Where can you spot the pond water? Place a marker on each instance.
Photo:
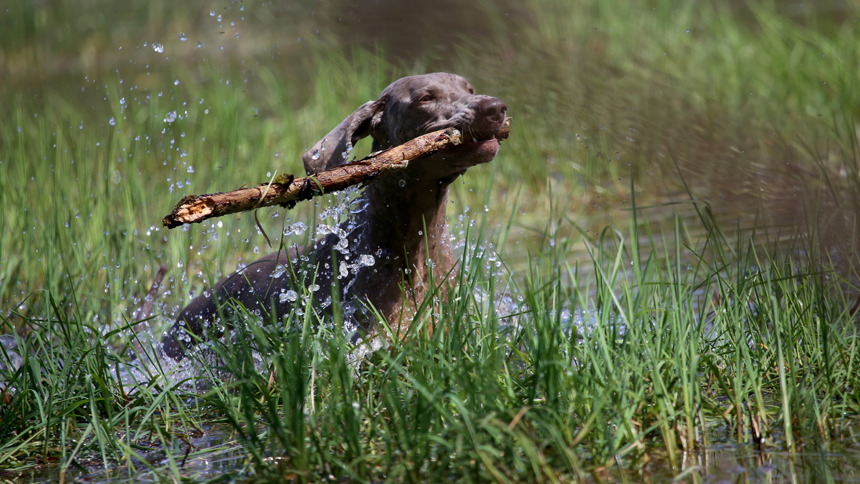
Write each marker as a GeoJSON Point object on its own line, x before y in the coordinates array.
{"type": "Point", "coordinates": [211, 457]}
{"type": "Point", "coordinates": [113, 111]}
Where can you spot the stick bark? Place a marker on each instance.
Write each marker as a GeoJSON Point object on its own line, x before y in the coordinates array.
{"type": "Point", "coordinates": [286, 190]}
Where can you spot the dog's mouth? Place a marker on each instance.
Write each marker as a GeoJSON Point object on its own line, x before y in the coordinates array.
{"type": "Point", "coordinates": [480, 144]}
{"type": "Point", "coordinates": [479, 147]}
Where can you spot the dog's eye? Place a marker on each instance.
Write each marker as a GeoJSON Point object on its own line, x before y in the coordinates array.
{"type": "Point", "coordinates": [425, 98]}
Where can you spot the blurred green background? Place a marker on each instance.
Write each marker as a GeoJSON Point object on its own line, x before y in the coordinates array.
{"type": "Point", "coordinates": [750, 108]}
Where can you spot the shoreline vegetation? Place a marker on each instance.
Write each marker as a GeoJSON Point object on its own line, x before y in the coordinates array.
{"type": "Point", "coordinates": [662, 259]}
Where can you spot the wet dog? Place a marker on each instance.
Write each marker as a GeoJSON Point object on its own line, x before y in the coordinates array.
{"type": "Point", "coordinates": [384, 255]}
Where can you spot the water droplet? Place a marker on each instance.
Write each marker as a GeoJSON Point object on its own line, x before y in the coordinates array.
{"type": "Point", "coordinates": [112, 121]}
{"type": "Point", "coordinates": [366, 260]}
{"type": "Point", "coordinates": [176, 82]}
{"type": "Point", "coordinates": [288, 296]}
{"type": "Point", "coordinates": [122, 101]}
{"type": "Point", "coordinates": [183, 36]}
{"type": "Point", "coordinates": [402, 183]}
{"type": "Point", "coordinates": [170, 117]}
{"type": "Point", "coordinates": [211, 13]}
{"type": "Point", "coordinates": [199, 44]}
{"type": "Point", "coordinates": [81, 126]}
{"type": "Point", "coordinates": [158, 47]}
{"type": "Point", "coordinates": [315, 156]}
{"type": "Point", "coordinates": [183, 154]}
{"type": "Point", "coordinates": [314, 287]}
{"type": "Point", "coordinates": [297, 228]}
{"type": "Point", "coordinates": [219, 17]}
{"type": "Point", "coordinates": [190, 168]}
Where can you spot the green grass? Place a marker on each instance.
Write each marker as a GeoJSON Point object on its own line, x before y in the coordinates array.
{"type": "Point", "coordinates": [692, 333]}
{"type": "Point", "coordinates": [640, 363]}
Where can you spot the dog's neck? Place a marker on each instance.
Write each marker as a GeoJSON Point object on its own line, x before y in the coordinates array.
{"type": "Point", "coordinates": [405, 217]}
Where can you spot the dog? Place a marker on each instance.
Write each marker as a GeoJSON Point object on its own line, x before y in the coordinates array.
{"type": "Point", "coordinates": [384, 255]}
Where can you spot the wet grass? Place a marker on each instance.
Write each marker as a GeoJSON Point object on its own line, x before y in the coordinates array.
{"type": "Point", "coordinates": [631, 345]}
{"type": "Point", "coordinates": [589, 376]}
{"type": "Point", "coordinates": [545, 376]}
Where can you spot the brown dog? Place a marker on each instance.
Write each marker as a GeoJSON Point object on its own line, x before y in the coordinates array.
{"type": "Point", "coordinates": [385, 253]}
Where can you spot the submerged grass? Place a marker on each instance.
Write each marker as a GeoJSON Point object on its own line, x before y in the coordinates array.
{"type": "Point", "coordinates": [565, 352]}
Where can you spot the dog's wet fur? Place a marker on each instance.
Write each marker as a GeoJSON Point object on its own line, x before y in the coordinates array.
{"type": "Point", "coordinates": [401, 223]}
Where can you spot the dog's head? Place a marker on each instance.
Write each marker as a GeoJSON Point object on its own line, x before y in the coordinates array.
{"type": "Point", "coordinates": [413, 106]}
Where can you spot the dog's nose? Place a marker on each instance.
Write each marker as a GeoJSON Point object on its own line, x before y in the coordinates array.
{"type": "Point", "coordinates": [492, 108]}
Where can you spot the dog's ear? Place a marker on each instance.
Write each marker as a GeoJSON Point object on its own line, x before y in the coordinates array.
{"type": "Point", "coordinates": [335, 147]}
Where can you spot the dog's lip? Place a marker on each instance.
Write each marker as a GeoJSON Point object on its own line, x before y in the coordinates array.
{"type": "Point", "coordinates": [475, 141]}
{"type": "Point", "coordinates": [477, 144]}
{"type": "Point", "coordinates": [483, 150]}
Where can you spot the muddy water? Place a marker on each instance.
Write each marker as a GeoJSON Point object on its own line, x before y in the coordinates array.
{"type": "Point", "coordinates": [211, 456]}
{"type": "Point", "coordinates": [42, 51]}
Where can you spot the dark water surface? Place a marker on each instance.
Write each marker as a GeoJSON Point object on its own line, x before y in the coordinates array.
{"type": "Point", "coordinates": [211, 456]}
{"type": "Point", "coordinates": [64, 54]}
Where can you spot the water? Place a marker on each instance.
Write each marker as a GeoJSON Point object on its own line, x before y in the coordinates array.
{"type": "Point", "coordinates": [213, 456]}
{"type": "Point", "coordinates": [210, 455]}
{"type": "Point", "coordinates": [97, 58]}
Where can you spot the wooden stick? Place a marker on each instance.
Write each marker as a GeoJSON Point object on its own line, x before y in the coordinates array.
{"type": "Point", "coordinates": [286, 190]}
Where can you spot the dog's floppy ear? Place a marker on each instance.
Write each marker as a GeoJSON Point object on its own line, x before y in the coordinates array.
{"type": "Point", "coordinates": [334, 148]}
